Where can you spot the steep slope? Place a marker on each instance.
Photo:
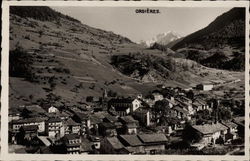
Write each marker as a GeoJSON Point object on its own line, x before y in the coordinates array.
{"type": "Point", "coordinates": [40, 13]}
{"type": "Point", "coordinates": [62, 57]}
{"type": "Point", "coordinates": [226, 30]}
{"type": "Point", "coordinates": [219, 45]}
{"type": "Point", "coordinates": [172, 43]}
{"type": "Point", "coordinates": [55, 58]}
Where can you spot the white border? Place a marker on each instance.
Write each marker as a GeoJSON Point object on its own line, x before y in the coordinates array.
{"type": "Point", "coordinates": [5, 81]}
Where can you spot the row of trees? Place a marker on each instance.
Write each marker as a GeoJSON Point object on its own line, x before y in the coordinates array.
{"type": "Point", "coordinates": [20, 63]}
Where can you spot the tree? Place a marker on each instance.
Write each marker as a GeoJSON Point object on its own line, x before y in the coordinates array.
{"type": "Point", "coordinates": [31, 97]}
{"type": "Point", "coordinates": [161, 109]}
{"type": "Point", "coordinates": [89, 98]}
{"type": "Point", "coordinates": [190, 94]}
{"type": "Point", "coordinates": [52, 98]}
{"type": "Point", "coordinates": [52, 82]}
{"type": "Point", "coordinates": [203, 116]}
{"type": "Point", "coordinates": [149, 96]}
{"type": "Point", "coordinates": [224, 114]}
{"type": "Point", "coordinates": [112, 93]}
{"type": "Point", "coordinates": [171, 121]}
{"type": "Point", "coordinates": [20, 63]}
{"type": "Point", "coordinates": [40, 33]}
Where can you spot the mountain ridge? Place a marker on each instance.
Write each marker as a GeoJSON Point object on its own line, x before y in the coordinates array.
{"type": "Point", "coordinates": [162, 39]}
{"type": "Point", "coordinates": [71, 61]}
{"type": "Point", "coordinates": [235, 15]}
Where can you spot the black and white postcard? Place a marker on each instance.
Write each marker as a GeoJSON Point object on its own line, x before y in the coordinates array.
{"type": "Point", "coordinates": [162, 79]}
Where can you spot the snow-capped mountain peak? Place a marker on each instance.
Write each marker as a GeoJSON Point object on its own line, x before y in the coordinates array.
{"type": "Point", "coordinates": [162, 38]}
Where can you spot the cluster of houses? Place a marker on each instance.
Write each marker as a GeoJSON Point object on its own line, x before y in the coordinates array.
{"type": "Point", "coordinates": [122, 128]}
{"type": "Point", "coordinates": [134, 144]}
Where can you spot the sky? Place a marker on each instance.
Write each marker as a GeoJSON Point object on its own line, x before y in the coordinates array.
{"type": "Point", "coordinates": [126, 22]}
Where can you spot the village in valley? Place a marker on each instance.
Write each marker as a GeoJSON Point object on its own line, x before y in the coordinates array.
{"type": "Point", "coordinates": [76, 89]}
{"type": "Point", "coordinates": [166, 121]}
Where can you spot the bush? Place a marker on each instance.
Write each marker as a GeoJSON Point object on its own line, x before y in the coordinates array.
{"type": "Point", "coordinates": [27, 37]}
{"type": "Point", "coordinates": [89, 98]}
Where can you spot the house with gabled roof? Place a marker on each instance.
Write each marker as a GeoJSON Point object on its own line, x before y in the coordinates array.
{"type": "Point", "coordinates": [153, 143]}
{"type": "Point", "coordinates": [130, 140]}
{"type": "Point", "coordinates": [39, 121]}
{"type": "Point", "coordinates": [83, 119]}
{"type": "Point", "coordinates": [107, 129]}
{"type": "Point", "coordinates": [72, 143]}
{"type": "Point", "coordinates": [27, 133]}
{"type": "Point", "coordinates": [186, 105]}
{"type": "Point", "coordinates": [72, 127]}
{"type": "Point", "coordinates": [14, 114]}
{"type": "Point", "coordinates": [123, 106]}
{"type": "Point", "coordinates": [94, 124]}
{"type": "Point", "coordinates": [111, 145]}
{"type": "Point", "coordinates": [199, 104]}
{"type": "Point", "coordinates": [210, 133]}
{"type": "Point", "coordinates": [130, 125]}
{"type": "Point", "coordinates": [205, 86]}
{"type": "Point", "coordinates": [54, 128]}
{"type": "Point", "coordinates": [231, 131]}
{"type": "Point", "coordinates": [171, 102]}
{"type": "Point", "coordinates": [50, 109]}
{"type": "Point", "coordinates": [240, 121]}
{"type": "Point", "coordinates": [180, 112]}
{"type": "Point", "coordinates": [134, 144]}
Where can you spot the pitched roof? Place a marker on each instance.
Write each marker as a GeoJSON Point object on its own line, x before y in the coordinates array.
{"type": "Point", "coordinates": [44, 140]}
{"type": "Point", "coordinates": [110, 118]}
{"type": "Point", "coordinates": [181, 110]}
{"type": "Point", "coordinates": [54, 119]}
{"type": "Point", "coordinates": [121, 100]}
{"type": "Point", "coordinates": [239, 120]}
{"type": "Point", "coordinates": [116, 144]}
{"type": "Point", "coordinates": [229, 124]}
{"type": "Point", "coordinates": [131, 140]}
{"type": "Point", "coordinates": [128, 119]}
{"type": "Point", "coordinates": [86, 145]}
{"type": "Point", "coordinates": [108, 125]}
{"type": "Point", "coordinates": [71, 136]}
{"type": "Point", "coordinates": [152, 138]}
{"type": "Point", "coordinates": [132, 125]}
{"type": "Point", "coordinates": [95, 119]}
{"type": "Point", "coordinates": [29, 120]}
{"type": "Point", "coordinates": [185, 99]}
{"type": "Point", "coordinates": [82, 116]}
{"type": "Point", "coordinates": [71, 122]}
{"type": "Point", "coordinates": [30, 128]}
{"type": "Point", "coordinates": [101, 114]}
{"type": "Point", "coordinates": [210, 128]}
{"type": "Point", "coordinates": [199, 101]}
